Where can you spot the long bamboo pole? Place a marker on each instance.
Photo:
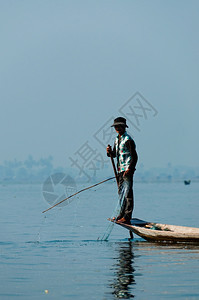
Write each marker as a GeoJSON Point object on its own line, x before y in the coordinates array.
{"type": "Point", "coordinates": [78, 193]}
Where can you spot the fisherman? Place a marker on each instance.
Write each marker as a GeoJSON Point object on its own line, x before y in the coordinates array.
{"type": "Point", "coordinates": [125, 151]}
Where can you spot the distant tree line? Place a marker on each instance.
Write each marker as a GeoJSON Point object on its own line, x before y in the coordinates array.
{"type": "Point", "coordinates": [31, 170]}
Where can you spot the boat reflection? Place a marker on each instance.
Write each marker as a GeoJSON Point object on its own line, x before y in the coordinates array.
{"type": "Point", "coordinates": [123, 269]}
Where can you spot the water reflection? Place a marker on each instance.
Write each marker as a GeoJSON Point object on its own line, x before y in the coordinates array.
{"type": "Point", "coordinates": [123, 270]}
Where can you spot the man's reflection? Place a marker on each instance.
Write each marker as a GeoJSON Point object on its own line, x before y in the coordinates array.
{"type": "Point", "coordinates": [122, 283]}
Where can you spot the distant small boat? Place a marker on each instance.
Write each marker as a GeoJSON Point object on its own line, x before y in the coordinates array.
{"type": "Point", "coordinates": [156, 232]}
{"type": "Point", "coordinates": [186, 182]}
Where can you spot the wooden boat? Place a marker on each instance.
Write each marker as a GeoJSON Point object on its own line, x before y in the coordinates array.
{"type": "Point", "coordinates": [162, 232]}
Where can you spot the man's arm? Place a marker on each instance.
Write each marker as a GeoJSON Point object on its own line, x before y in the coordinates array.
{"type": "Point", "coordinates": [134, 157]}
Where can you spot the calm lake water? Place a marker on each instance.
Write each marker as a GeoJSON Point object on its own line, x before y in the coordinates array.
{"type": "Point", "coordinates": [57, 255]}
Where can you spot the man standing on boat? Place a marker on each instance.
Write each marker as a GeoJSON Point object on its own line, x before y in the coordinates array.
{"type": "Point", "coordinates": [125, 151]}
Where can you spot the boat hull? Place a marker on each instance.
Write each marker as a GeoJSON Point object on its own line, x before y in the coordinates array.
{"type": "Point", "coordinates": [164, 233]}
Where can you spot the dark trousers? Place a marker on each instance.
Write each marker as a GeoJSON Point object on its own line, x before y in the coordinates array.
{"type": "Point", "coordinates": [126, 187]}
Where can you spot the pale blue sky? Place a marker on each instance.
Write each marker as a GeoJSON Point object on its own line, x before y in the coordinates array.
{"type": "Point", "coordinates": [68, 66]}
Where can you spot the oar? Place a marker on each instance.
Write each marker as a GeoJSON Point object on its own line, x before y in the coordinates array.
{"type": "Point", "coordinates": [110, 226]}
{"type": "Point", "coordinates": [114, 169]}
{"type": "Point", "coordinates": [78, 193]}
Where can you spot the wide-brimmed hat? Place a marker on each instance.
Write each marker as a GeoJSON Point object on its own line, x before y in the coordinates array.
{"type": "Point", "coordinates": [119, 121]}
